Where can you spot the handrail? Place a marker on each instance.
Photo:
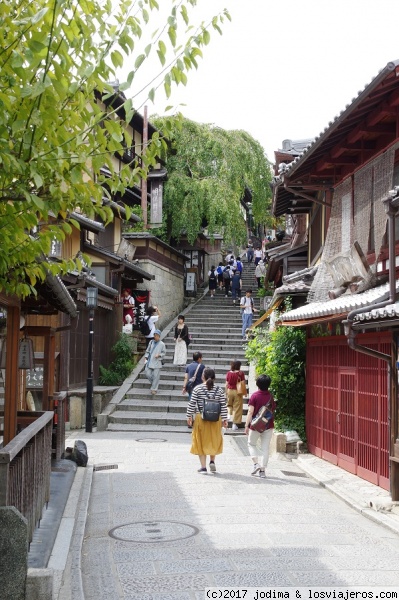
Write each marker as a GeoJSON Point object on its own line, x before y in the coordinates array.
{"type": "Point", "coordinates": [25, 469]}
{"type": "Point", "coordinates": [9, 452]}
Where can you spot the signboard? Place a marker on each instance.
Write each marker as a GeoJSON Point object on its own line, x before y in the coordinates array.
{"type": "Point", "coordinates": [25, 354]}
{"type": "Point", "coordinates": [141, 303]}
{"type": "Point", "coordinates": [190, 282]}
{"type": "Point", "coordinates": [34, 377]}
{"type": "Point", "coordinates": [156, 202]}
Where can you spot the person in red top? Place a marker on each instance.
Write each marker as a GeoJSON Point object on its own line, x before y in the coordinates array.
{"type": "Point", "coordinates": [234, 399]}
{"type": "Point", "coordinates": [258, 443]}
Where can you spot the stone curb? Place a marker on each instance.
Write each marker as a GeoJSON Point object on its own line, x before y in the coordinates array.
{"type": "Point", "coordinates": [356, 501]}
{"type": "Point", "coordinates": [68, 583]}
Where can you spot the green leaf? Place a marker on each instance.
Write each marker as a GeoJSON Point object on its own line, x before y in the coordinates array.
{"type": "Point", "coordinates": [172, 35]}
{"type": "Point", "coordinates": [139, 61]}
{"type": "Point", "coordinates": [206, 37]}
{"type": "Point", "coordinates": [117, 58]}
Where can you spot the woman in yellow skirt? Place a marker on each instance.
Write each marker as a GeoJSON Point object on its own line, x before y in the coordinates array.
{"type": "Point", "coordinates": [207, 438]}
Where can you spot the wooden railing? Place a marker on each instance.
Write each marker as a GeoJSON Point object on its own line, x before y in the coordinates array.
{"type": "Point", "coordinates": [25, 467]}
{"type": "Point", "coordinates": [59, 424]}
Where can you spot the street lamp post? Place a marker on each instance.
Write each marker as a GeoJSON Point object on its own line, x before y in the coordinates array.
{"type": "Point", "coordinates": [91, 303]}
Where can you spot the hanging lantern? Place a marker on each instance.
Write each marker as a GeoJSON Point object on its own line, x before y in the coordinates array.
{"type": "Point", "coordinates": [26, 357]}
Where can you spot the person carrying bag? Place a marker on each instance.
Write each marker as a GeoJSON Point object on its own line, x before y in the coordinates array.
{"type": "Point", "coordinates": [235, 392]}
{"type": "Point", "coordinates": [259, 430]}
{"type": "Point", "coordinates": [207, 438]}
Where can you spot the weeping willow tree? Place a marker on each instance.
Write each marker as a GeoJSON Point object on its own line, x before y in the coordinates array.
{"type": "Point", "coordinates": [209, 170]}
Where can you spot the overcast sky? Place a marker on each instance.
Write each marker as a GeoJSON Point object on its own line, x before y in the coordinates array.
{"type": "Point", "coordinates": [284, 69]}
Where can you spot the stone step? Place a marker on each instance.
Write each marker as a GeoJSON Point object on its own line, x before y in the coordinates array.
{"type": "Point", "coordinates": [167, 374]}
{"type": "Point", "coordinates": [165, 394]}
{"type": "Point", "coordinates": [152, 418]}
{"type": "Point", "coordinates": [148, 418]}
{"type": "Point", "coordinates": [170, 370]}
{"type": "Point", "coordinates": [230, 338]}
{"type": "Point", "coordinates": [209, 351]}
{"type": "Point", "coordinates": [215, 324]}
{"type": "Point", "coordinates": [157, 405]}
{"type": "Point", "coordinates": [152, 405]}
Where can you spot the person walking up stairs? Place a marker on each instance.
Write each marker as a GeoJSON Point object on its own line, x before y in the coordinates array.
{"type": "Point", "coordinates": [215, 325]}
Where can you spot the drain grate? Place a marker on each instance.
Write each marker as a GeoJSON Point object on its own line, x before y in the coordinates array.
{"type": "Point", "coordinates": [294, 474]}
{"type": "Point", "coordinates": [104, 467]}
{"type": "Point", "coordinates": [147, 532]}
{"type": "Point", "coordinates": [150, 440]}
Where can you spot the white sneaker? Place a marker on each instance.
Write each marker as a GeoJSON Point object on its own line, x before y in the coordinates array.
{"type": "Point", "coordinates": [255, 469]}
{"type": "Point", "coordinates": [234, 427]}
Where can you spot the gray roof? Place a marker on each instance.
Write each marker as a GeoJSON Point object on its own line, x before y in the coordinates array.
{"type": "Point", "coordinates": [318, 140]}
{"type": "Point", "coordinates": [295, 147]}
{"type": "Point", "coordinates": [387, 312]}
{"type": "Point", "coordinates": [343, 304]}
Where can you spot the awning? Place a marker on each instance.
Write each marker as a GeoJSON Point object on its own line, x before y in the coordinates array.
{"type": "Point", "coordinates": [341, 305]}
{"type": "Point", "coordinates": [56, 294]}
{"type": "Point", "coordinates": [310, 322]}
{"type": "Point", "coordinates": [104, 253]}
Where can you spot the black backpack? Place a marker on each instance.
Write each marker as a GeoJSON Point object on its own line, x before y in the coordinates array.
{"type": "Point", "coordinates": [145, 329]}
{"type": "Point", "coordinates": [212, 408]}
{"type": "Point", "coordinates": [212, 276]}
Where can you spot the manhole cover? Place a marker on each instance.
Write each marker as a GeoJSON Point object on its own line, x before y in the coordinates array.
{"type": "Point", "coordinates": [294, 474]}
{"type": "Point", "coordinates": [149, 532]}
{"type": "Point", "coordinates": [151, 440]}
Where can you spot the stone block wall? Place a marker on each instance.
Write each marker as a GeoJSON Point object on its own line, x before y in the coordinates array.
{"type": "Point", "coordinates": [167, 290]}
{"type": "Point", "coordinates": [77, 404]}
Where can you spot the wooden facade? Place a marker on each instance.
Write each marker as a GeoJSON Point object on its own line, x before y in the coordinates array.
{"type": "Point", "coordinates": [339, 184]}
{"type": "Point", "coordinates": [347, 405]}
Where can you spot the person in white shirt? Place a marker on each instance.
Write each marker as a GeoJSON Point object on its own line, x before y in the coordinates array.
{"type": "Point", "coordinates": [153, 315]}
{"type": "Point", "coordinates": [258, 255]}
{"type": "Point", "coordinates": [260, 272]}
{"type": "Point", "coordinates": [248, 310]}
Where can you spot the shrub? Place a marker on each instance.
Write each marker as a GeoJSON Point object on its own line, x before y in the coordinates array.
{"type": "Point", "coordinates": [285, 364]}
{"type": "Point", "coordinates": [122, 365]}
{"type": "Point", "coordinates": [281, 354]}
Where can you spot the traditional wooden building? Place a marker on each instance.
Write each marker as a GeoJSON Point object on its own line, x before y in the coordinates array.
{"type": "Point", "coordinates": [339, 187]}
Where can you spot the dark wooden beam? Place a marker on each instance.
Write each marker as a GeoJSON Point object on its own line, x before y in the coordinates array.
{"type": "Point", "coordinates": [11, 388]}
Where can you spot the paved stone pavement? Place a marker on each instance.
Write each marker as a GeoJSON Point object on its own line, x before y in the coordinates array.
{"type": "Point", "coordinates": [158, 530]}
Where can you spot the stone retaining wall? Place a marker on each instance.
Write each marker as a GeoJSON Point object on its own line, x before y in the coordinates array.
{"type": "Point", "coordinates": [167, 290]}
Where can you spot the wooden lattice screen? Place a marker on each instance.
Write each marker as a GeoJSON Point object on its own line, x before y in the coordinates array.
{"type": "Point", "coordinates": [346, 405]}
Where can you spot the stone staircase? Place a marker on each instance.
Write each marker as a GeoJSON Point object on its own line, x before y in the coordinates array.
{"type": "Point", "coordinates": [215, 325]}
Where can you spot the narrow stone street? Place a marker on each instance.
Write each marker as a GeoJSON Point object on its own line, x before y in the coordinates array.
{"type": "Point", "coordinates": [158, 530]}
{"type": "Point", "coordinates": [150, 527]}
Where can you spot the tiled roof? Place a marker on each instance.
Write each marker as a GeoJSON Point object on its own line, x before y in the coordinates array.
{"type": "Point", "coordinates": [343, 304]}
{"type": "Point", "coordinates": [298, 282]}
{"type": "Point", "coordinates": [318, 140]}
{"type": "Point", "coordinates": [293, 288]}
{"type": "Point", "coordinates": [388, 311]}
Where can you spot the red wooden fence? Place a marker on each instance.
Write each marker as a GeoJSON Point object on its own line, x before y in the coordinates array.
{"type": "Point", "coordinates": [346, 405]}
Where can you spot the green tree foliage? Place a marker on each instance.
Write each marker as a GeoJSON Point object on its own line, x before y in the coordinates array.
{"type": "Point", "coordinates": [54, 138]}
{"type": "Point", "coordinates": [208, 171]}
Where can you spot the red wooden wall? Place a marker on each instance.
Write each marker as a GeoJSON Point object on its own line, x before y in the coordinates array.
{"type": "Point", "coordinates": [346, 405]}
